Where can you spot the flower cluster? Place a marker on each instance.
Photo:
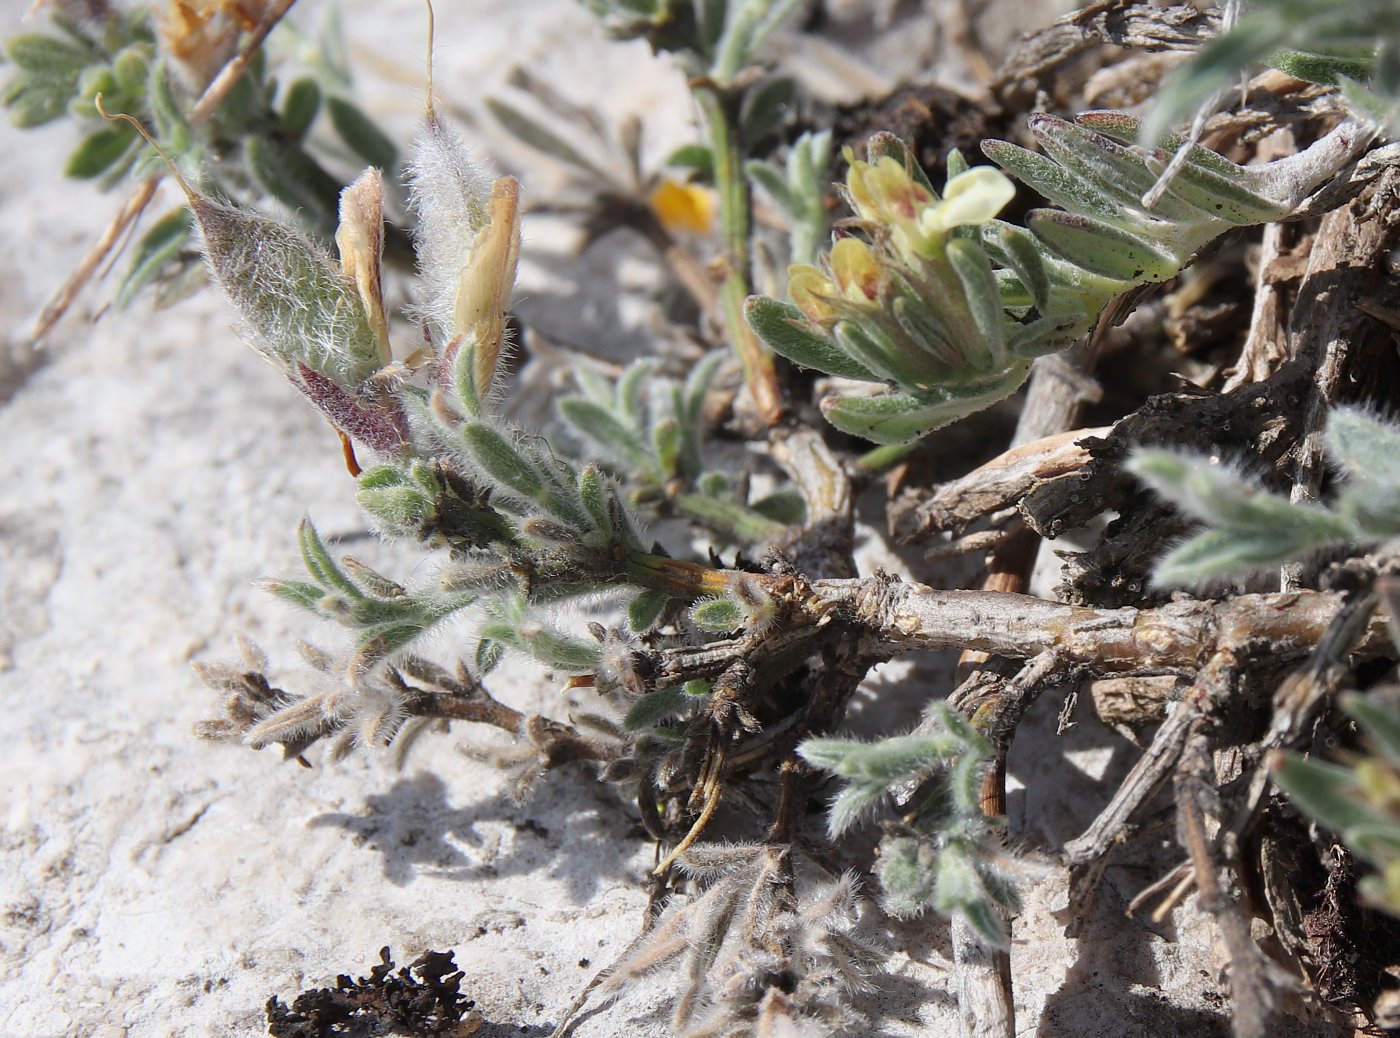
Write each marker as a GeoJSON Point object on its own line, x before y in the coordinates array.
{"type": "Point", "coordinates": [915, 303]}
{"type": "Point", "coordinates": [948, 305]}
{"type": "Point", "coordinates": [908, 284]}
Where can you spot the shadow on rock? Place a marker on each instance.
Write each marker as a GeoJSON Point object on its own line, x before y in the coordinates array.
{"type": "Point", "coordinates": [570, 833]}
{"type": "Point", "coordinates": [1098, 998]}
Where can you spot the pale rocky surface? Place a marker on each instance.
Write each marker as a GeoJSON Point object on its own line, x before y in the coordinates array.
{"type": "Point", "coordinates": [152, 469]}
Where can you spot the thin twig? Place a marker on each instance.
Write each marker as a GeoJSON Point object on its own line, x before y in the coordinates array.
{"type": "Point", "coordinates": [983, 541]}
{"type": "Point", "coordinates": [1252, 983]}
{"type": "Point", "coordinates": [1301, 698]}
{"type": "Point", "coordinates": [62, 299]}
{"type": "Point", "coordinates": [983, 977]}
{"type": "Point", "coordinates": [233, 70]}
{"type": "Point", "coordinates": [1264, 346]}
{"type": "Point", "coordinates": [1174, 884]}
{"type": "Point", "coordinates": [1087, 853]}
{"type": "Point", "coordinates": [891, 618]}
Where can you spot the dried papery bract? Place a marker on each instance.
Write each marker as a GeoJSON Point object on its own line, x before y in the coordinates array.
{"type": "Point", "coordinates": [751, 958]}
{"type": "Point", "coordinates": [360, 239]}
{"type": "Point", "coordinates": [451, 197]}
{"type": "Point", "coordinates": [483, 293]}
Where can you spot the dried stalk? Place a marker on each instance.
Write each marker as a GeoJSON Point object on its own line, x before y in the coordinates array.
{"type": "Point", "coordinates": [1253, 983]}
{"type": "Point", "coordinates": [1087, 853]}
{"type": "Point", "coordinates": [63, 298]}
{"type": "Point", "coordinates": [890, 617]}
{"type": "Point", "coordinates": [1264, 348]}
{"type": "Point", "coordinates": [232, 72]}
{"type": "Point", "coordinates": [997, 485]}
{"type": "Point", "coordinates": [209, 101]}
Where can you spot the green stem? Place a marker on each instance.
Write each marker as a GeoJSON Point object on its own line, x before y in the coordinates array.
{"type": "Point", "coordinates": [731, 183]}
{"type": "Point", "coordinates": [878, 460]}
{"type": "Point", "coordinates": [729, 517]}
{"type": "Point", "coordinates": [680, 579]}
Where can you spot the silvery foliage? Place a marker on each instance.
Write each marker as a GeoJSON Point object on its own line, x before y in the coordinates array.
{"type": "Point", "coordinates": [1252, 529]}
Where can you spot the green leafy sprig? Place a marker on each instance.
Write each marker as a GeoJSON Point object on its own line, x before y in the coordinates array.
{"type": "Point", "coordinates": [383, 615]}
{"type": "Point", "coordinates": [799, 189]}
{"type": "Point", "coordinates": [947, 306]}
{"type": "Point", "coordinates": [649, 431]}
{"type": "Point", "coordinates": [1251, 528]}
{"type": "Point", "coordinates": [943, 853]}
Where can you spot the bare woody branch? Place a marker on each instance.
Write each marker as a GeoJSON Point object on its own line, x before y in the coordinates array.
{"type": "Point", "coordinates": [900, 617]}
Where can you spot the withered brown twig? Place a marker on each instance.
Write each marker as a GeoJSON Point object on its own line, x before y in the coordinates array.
{"type": "Point", "coordinates": [1087, 853]}
{"type": "Point", "coordinates": [232, 72]}
{"type": "Point", "coordinates": [67, 292]}
{"type": "Point", "coordinates": [989, 488]}
{"type": "Point", "coordinates": [1123, 23]}
{"type": "Point", "coordinates": [1253, 980]}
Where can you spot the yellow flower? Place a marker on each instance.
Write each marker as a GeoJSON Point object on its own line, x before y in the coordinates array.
{"type": "Point", "coordinates": [856, 283]}
{"type": "Point", "coordinates": [856, 272]}
{"type": "Point", "coordinates": [917, 221]}
{"type": "Point", "coordinates": [360, 239]}
{"type": "Point", "coordinates": [683, 207]}
{"type": "Point", "coordinates": [811, 291]}
{"type": "Point", "coordinates": [974, 196]}
{"type": "Point", "coordinates": [883, 193]}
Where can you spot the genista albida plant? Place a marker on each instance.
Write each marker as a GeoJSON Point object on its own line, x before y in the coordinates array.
{"type": "Point", "coordinates": [926, 308]}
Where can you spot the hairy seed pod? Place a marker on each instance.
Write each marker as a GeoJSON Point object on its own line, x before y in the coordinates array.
{"type": "Point", "coordinates": [295, 303]}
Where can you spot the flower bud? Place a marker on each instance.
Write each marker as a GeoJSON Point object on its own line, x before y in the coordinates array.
{"type": "Point", "coordinates": [360, 239]}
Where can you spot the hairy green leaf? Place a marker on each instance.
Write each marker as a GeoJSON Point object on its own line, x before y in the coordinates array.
{"type": "Point", "coordinates": [785, 330]}
{"type": "Point", "coordinates": [645, 610]}
{"type": "Point", "coordinates": [719, 615]}
{"type": "Point", "coordinates": [655, 707]}
{"type": "Point", "coordinates": [99, 151]}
